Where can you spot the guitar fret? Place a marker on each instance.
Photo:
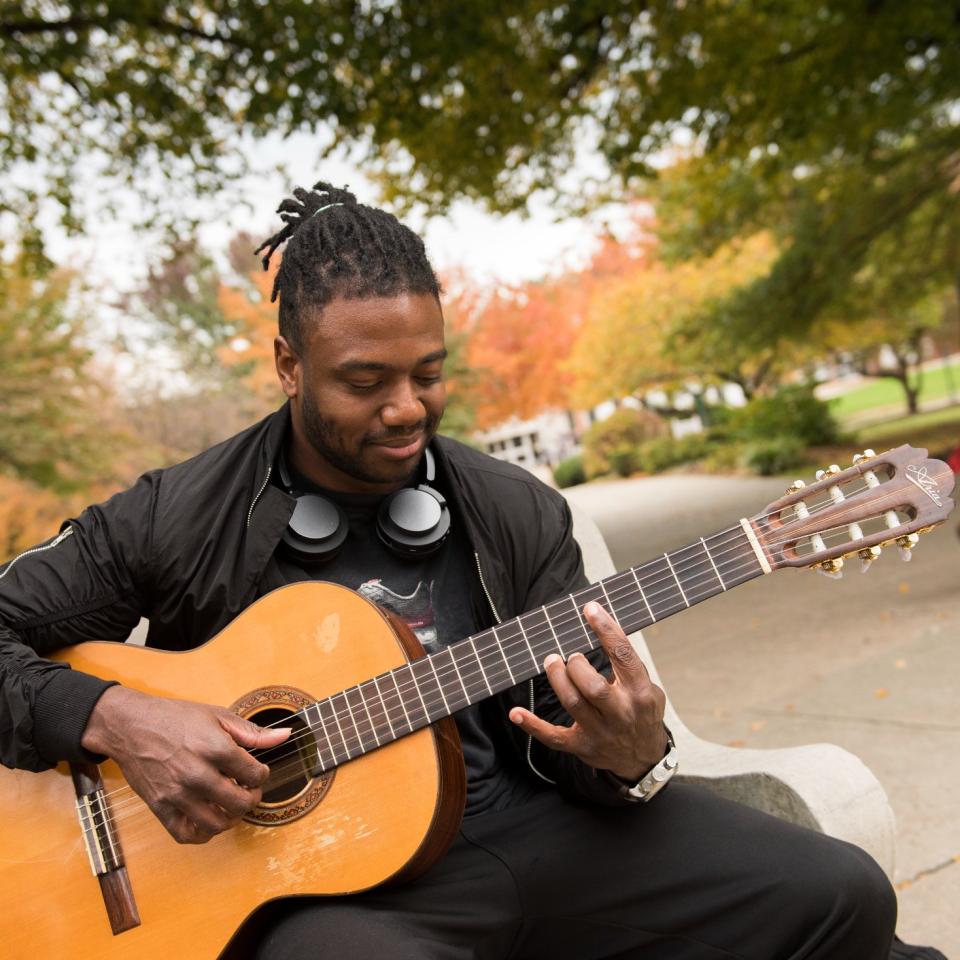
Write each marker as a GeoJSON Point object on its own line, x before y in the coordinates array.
{"type": "Point", "coordinates": [393, 676]}
{"type": "Point", "coordinates": [374, 724]}
{"type": "Point", "coordinates": [587, 632]}
{"type": "Point", "coordinates": [643, 596]}
{"type": "Point", "coordinates": [675, 577]}
{"type": "Point", "coordinates": [412, 670]}
{"type": "Point", "coordinates": [613, 613]}
{"type": "Point", "coordinates": [383, 704]}
{"type": "Point", "coordinates": [353, 711]}
{"type": "Point", "coordinates": [664, 599]}
{"type": "Point", "coordinates": [506, 661]}
{"type": "Point", "coordinates": [456, 667]}
{"type": "Point", "coordinates": [712, 564]}
{"type": "Point", "coordinates": [483, 673]}
{"type": "Point", "coordinates": [321, 740]}
{"type": "Point", "coordinates": [336, 718]}
{"type": "Point", "coordinates": [443, 696]}
{"type": "Point", "coordinates": [526, 640]}
{"type": "Point", "coordinates": [556, 639]}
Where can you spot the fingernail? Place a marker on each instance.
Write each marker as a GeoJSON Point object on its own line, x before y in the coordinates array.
{"type": "Point", "coordinates": [516, 717]}
{"type": "Point", "coordinates": [595, 610]}
{"type": "Point", "coordinates": [553, 658]}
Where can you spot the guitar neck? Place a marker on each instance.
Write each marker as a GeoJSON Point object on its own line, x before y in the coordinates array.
{"type": "Point", "coordinates": [394, 704]}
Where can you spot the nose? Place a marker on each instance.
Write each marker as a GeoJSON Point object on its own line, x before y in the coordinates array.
{"type": "Point", "coordinates": [404, 407]}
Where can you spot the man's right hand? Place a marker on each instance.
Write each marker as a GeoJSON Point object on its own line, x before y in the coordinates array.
{"type": "Point", "coordinates": [189, 761]}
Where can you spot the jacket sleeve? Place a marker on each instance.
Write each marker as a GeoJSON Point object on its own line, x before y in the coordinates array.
{"type": "Point", "coordinates": [87, 583]}
{"type": "Point", "coordinates": [560, 572]}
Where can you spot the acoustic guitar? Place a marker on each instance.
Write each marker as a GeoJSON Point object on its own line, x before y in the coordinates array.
{"type": "Point", "coordinates": [370, 786]}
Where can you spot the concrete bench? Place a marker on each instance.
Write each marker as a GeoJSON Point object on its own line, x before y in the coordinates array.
{"type": "Point", "coordinates": [820, 785]}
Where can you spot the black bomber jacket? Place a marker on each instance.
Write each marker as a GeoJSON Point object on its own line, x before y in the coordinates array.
{"type": "Point", "coordinates": [186, 547]}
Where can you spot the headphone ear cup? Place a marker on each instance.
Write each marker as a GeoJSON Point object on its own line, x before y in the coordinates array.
{"type": "Point", "coordinates": [414, 521]}
{"type": "Point", "coordinates": [316, 531]}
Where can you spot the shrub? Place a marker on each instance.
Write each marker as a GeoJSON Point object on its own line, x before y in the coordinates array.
{"type": "Point", "coordinates": [768, 457]}
{"type": "Point", "coordinates": [792, 412]}
{"type": "Point", "coordinates": [569, 472]}
{"type": "Point", "coordinates": [608, 446]}
{"type": "Point", "coordinates": [664, 452]}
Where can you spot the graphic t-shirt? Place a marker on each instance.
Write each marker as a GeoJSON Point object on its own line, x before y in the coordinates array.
{"type": "Point", "coordinates": [432, 595]}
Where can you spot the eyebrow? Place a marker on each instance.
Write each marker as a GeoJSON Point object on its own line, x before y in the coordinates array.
{"type": "Point", "coordinates": [349, 366]}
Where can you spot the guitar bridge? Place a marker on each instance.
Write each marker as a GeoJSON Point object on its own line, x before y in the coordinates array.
{"type": "Point", "coordinates": [103, 847]}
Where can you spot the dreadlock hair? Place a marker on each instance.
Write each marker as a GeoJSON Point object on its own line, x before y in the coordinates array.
{"type": "Point", "coordinates": [337, 247]}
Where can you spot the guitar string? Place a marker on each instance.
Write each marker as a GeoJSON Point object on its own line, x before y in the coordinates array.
{"type": "Point", "coordinates": [348, 713]}
{"type": "Point", "coordinates": [275, 781]}
{"type": "Point", "coordinates": [311, 735]}
{"type": "Point", "coordinates": [530, 640]}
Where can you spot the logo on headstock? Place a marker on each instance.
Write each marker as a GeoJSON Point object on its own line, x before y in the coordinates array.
{"type": "Point", "coordinates": [918, 476]}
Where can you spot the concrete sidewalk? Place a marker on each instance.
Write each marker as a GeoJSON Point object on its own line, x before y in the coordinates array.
{"type": "Point", "coordinates": [868, 662]}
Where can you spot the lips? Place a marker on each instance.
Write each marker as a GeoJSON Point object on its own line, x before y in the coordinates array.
{"type": "Point", "coordinates": [400, 448]}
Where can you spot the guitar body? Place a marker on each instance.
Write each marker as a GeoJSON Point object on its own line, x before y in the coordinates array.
{"type": "Point", "coordinates": [384, 816]}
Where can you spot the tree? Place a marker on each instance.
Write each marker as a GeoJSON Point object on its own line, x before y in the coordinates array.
{"type": "Point", "coordinates": [458, 100]}
{"type": "Point", "coordinates": [56, 430]}
{"type": "Point", "coordinates": [657, 325]}
{"type": "Point", "coordinates": [897, 303]}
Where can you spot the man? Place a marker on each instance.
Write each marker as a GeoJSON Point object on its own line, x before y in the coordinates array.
{"type": "Point", "coordinates": [555, 857]}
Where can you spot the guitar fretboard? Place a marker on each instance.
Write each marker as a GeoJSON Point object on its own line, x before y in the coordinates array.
{"type": "Point", "coordinates": [410, 697]}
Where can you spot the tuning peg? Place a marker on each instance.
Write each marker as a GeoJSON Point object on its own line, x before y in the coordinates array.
{"type": "Point", "coordinates": [831, 568]}
{"type": "Point", "coordinates": [795, 486]}
{"type": "Point", "coordinates": [867, 556]}
{"type": "Point", "coordinates": [829, 472]}
{"type": "Point", "coordinates": [866, 455]}
{"type": "Point", "coordinates": [906, 544]}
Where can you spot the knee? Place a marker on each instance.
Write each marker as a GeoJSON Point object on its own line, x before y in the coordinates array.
{"type": "Point", "coordinates": [857, 905]}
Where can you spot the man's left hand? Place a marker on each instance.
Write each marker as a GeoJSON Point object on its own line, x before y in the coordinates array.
{"type": "Point", "coordinates": [618, 723]}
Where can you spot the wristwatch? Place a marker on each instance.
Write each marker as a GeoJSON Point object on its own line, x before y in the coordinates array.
{"type": "Point", "coordinates": [654, 780]}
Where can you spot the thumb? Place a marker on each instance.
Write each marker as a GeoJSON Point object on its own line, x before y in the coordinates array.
{"type": "Point", "coordinates": [251, 736]}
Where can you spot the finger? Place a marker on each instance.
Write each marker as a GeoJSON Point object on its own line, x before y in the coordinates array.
{"type": "Point", "coordinates": [238, 763]}
{"type": "Point", "coordinates": [550, 735]}
{"type": "Point", "coordinates": [595, 690]}
{"type": "Point", "coordinates": [570, 689]}
{"type": "Point", "coordinates": [185, 830]}
{"type": "Point", "coordinates": [236, 801]}
{"type": "Point", "coordinates": [627, 665]}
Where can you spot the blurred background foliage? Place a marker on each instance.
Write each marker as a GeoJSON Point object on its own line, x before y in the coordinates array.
{"type": "Point", "coordinates": [793, 172]}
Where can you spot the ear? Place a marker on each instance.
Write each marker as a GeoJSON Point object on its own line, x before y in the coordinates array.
{"type": "Point", "coordinates": [289, 367]}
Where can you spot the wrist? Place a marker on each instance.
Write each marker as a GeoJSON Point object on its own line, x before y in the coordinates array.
{"type": "Point", "coordinates": [652, 781]}
{"type": "Point", "coordinates": [630, 775]}
{"type": "Point", "coordinates": [110, 715]}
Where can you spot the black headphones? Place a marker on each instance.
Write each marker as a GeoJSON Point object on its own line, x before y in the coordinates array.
{"type": "Point", "coordinates": [412, 522]}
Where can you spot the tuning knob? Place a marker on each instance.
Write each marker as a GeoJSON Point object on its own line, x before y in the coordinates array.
{"type": "Point", "coordinates": [795, 486]}
{"type": "Point", "coordinates": [829, 472]}
{"type": "Point", "coordinates": [832, 568]}
{"type": "Point", "coordinates": [867, 556]}
{"type": "Point", "coordinates": [906, 544]}
{"type": "Point", "coordinates": [867, 454]}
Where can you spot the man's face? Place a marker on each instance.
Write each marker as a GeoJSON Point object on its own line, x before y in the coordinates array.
{"type": "Point", "coordinates": [367, 390]}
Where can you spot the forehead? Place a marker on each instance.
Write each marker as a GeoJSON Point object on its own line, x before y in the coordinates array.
{"type": "Point", "coordinates": [381, 328]}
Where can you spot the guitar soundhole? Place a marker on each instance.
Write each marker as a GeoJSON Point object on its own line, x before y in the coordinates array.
{"type": "Point", "coordinates": [292, 764]}
{"type": "Point", "coordinates": [296, 784]}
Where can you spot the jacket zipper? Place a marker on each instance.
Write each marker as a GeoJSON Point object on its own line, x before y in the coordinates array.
{"type": "Point", "coordinates": [259, 494]}
{"type": "Point", "coordinates": [496, 616]}
{"type": "Point", "coordinates": [49, 546]}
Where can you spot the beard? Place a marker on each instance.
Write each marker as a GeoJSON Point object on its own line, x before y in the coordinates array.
{"type": "Point", "coordinates": [348, 456]}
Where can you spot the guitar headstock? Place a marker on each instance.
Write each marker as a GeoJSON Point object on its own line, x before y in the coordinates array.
{"type": "Point", "coordinates": [887, 498]}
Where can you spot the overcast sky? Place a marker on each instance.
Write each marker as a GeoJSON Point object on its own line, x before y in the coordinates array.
{"type": "Point", "coordinates": [507, 249]}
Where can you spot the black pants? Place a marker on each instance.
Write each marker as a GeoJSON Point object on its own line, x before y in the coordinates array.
{"type": "Point", "coordinates": [688, 876]}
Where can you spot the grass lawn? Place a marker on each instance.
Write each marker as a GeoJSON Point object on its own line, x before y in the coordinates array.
{"type": "Point", "coordinates": [886, 392]}
{"type": "Point", "coordinates": [938, 431]}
